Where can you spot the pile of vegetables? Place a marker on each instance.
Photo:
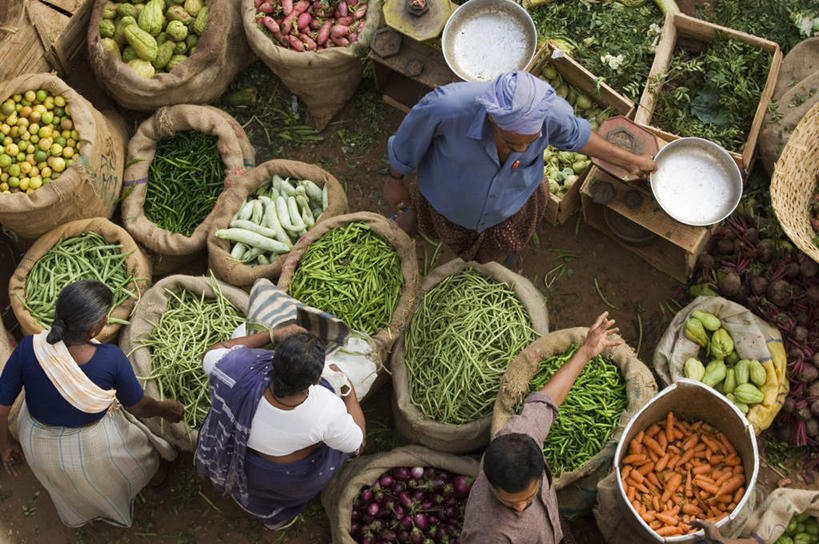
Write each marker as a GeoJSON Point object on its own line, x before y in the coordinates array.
{"type": "Point", "coordinates": [713, 93]}
{"type": "Point", "coordinates": [589, 414]}
{"type": "Point", "coordinates": [814, 212]}
{"type": "Point", "coordinates": [801, 529]}
{"type": "Point", "coordinates": [189, 325]}
{"type": "Point", "coordinates": [583, 105]}
{"type": "Point", "coordinates": [353, 274]}
{"type": "Point", "coordinates": [153, 37]}
{"type": "Point", "coordinates": [272, 218]}
{"type": "Point", "coordinates": [184, 180]}
{"type": "Point", "coordinates": [39, 140]}
{"type": "Point", "coordinates": [85, 257]}
{"type": "Point", "coordinates": [750, 260]}
{"type": "Point", "coordinates": [563, 169]}
{"type": "Point", "coordinates": [309, 26]}
{"type": "Point", "coordinates": [737, 379]}
{"type": "Point", "coordinates": [463, 335]}
{"type": "Point", "coordinates": [676, 472]}
{"type": "Point", "coordinates": [414, 505]}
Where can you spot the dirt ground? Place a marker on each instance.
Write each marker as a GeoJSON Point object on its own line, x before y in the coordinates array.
{"type": "Point", "coordinates": [187, 510]}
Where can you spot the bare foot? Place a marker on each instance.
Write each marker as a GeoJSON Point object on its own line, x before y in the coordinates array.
{"type": "Point", "coordinates": [405, 218]}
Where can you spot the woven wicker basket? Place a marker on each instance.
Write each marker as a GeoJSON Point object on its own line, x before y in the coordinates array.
{"type": "Point", "coordinates": [794, 182]}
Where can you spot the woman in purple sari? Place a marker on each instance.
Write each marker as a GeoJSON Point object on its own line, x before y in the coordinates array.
{"type": "Point", "coordinates": [276, 432]}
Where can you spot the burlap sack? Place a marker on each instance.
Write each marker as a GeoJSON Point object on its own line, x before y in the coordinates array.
{"type": "Point", "coordinates": [770, 520]}
{"type": "Point", "coordinates": [7, 345]}
{"type": "Point", "coordinates": [619, 526]}
{"type": "Point", "coordinates": [90, 186]}
{"type": "Point", "coordinates": [576, 489]}
{"type": "Point", "coordinates": [404, 246]}
{"type": "Point", "coordinates": [239, 274]}
{"type": "Point", "coordinates": [794, 95]}
{"type": "Point", "coordinates": [170, 250]}
{"type": "Point", "coordinates": [339, 495]}
{"type": "Point", "coordinates": [324, 80]}
{"type": "Point", "coordinates": [148, 311]}
{"type": "Point", "coordinates": [220, 53]}
{"type": "Point", "coordinates": [409, 421]}
{"type": "Point", "coordinates": [138, 264]}
{"type": "Point", "coordinates": [753, 339]}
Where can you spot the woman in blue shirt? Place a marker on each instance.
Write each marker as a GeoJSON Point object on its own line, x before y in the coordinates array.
{"type": "Point", "coordinates": [478, 150]}
{"type": "Point", "coordinates": [91, 459]}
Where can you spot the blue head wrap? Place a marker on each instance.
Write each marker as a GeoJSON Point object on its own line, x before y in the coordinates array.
{"type": "Point", "coordinates": [518, 101]}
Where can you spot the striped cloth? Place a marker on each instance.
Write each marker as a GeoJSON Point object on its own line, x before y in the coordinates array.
{"type": "Point", "coordinates": [92, 472]}
{"type": "Point", "coordinates": [68, 378]}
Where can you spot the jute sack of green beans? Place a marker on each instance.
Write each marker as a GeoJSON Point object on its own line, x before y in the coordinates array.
{"type": "Point", "coordinates": [42, 282]}
{"type": "Point", "coordinates": [404, 248]}
{"type": "Point", "coordinates": [154, 303]}
{"type": "Point", "coordinates": [324, 80]}
{"type": "Point", "coordinates": [169, 250]}
{"type": "Point", "coordinates": [221, 52]}
{"type": "Point", "coordinates": [243, 275]}
{"type": "Point", "coordinates": [340, 494]}
{"type": "Point", "coordinates": [575, 489]}
{"type": "Point", "coordinates": [6, 347]}
{"type": "Point", "coordinates": [90, 187]}
{"type": "Point", "coordinates": [472, 435]}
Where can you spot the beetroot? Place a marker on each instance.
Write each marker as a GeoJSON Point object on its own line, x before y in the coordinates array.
{"type": "Point", "coordinates": [759, 285]}
{"type": "Point", "coordinates": [814, 407]}
{"type": "Point", "coordinates": [800, 334]}
{"type": "Point", "coordinates": [808, 268]}
{"type": "Point", "coordinates": [813, 294]}
{"type": "Point", "coordinates": [752, 235]}
{"type": "Point", "coordinates": [808, 374]}
{"type": "Point", "coordinates": [816, 364]}
{"type": "Point", "coordinates": [779, 292]}
{"type": "Point", "coordinates": [765, 250]}
{"type": "Point", "coordinates": [730, 285]}
{"type": "Point", "coordinates": [789, 406]}
{"type": "Point", "coordinates": [812, 428]}
{"type": "Point", "coordinates": [791, 270]}
{"type": "Point", "coordinates": [707, 261]}
{"type": "Point", "coordinates": [724, 247]}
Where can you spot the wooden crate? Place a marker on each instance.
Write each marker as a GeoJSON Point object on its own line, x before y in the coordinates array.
{"type": "Point", "coordinates": [675, 247]}
{"type": "Point", "coordinates": [43, 36]}
{"type": "Point", "coordinates": [559, 210]}
{"type": "Point", "coordinates": [685, 31]}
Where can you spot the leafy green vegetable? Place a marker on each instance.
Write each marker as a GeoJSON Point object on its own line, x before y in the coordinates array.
{"type": "Point", "coordinates": [714, 93]}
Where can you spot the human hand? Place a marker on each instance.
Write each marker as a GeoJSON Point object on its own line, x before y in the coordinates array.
{"type": "Point", "coordinates": [11, 457]}
{"type": "Point", "coordinates": [349, 385]}
{"type": "Point", "coordinates": [642, 165]}
{"type": "Point", "coordinates": [711, 531]}
{"type": "Point", "coordinates": [599, 336]}
{"type": "Point", "coordinates": [394, 192]}
{"type": "Point", "coordinates": [173, 410]}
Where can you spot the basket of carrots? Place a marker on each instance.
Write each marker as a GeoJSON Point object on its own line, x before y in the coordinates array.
{"type": "Point", "coordinates": [688, 454]}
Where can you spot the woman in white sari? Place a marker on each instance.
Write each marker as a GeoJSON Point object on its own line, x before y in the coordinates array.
{"type": "Point", "coordinates": [92, 459]}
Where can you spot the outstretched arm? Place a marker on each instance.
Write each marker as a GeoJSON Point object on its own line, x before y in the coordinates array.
{"type": "Point", "coordinates": [599, 147]}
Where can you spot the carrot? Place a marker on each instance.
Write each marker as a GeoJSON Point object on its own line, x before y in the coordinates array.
{"type": "Point", "coordinates": [654, 446]}
{"type": "Point", "coordinates": [652, 430]}
{"type": "Point", "coordinates": [639, 487]}
{"type": "Point", "coordinates": [731, 485]}
{"type": "Point", "coordinates": [724, 478]}
{"type": "Point", "coordinates": [656, 524]}
{"type": "Point", "coordinates": [727, 443]}
{"type": "Point", "coordinates": [692, 509]}
{"type": "Point", "coordinates": [648, 517]}
{"type": "Point", "coordinates": [716, 459]}
{"type": "Point", "coordinates": [706, 427]}
{"type": "Point", "coordinates": [724, 499]}
{"type": "Point", "coordinates": [671, 486]}
{"type": "Point", "coordinates": [702, 469]}
{"type": "Point", "coordinates": [646, 468]}
{"type": "Point", "coordinates": [668, 531]}
{"type": "Point", "coordinates": [705, 486]}
{"type": "Point", "coordinates": [631, 493]}
{"type": "Point", "coordinates": [689, 491]}
{"type": "Point", "coordinates": [653, 456]}
{"type": "Point", "coordinates": [625, 472]}
{"type": "Point", "coordinates": [662, 441]}
{"type": "Point", "coordinates": [739, 470]}
{"type": "Point", "coordinates": [635, 459]}
{"type": "Point", "coordinates": [699, 448]}
{"type": "Point", "coordinates": [713, 446]}
{"type": "Point", "coordinates": [733, 460]}
{"type": "Point", "coordinates": [669, 426]}
{"type": "Point", "coordinates": [677, 506]}
{"type": "Point", "coordinates": [655, 502]}
{"type": "Point", "coordinates": [634, 447]}
{"type": "Point", "coordinates": [662, 463]}
{"type": "Point", "coordinates": [690, 442]}
{"type": "Point", "coordinates": [687, 455]}
{"type": "Point", "coordinates": [667, 519]}
{"type": "Point", "coordinates": [678, 434]}
{"type": "Point", "coordinates": [672, 463]}
{"type": "Point", "coordinates": [739, 494]}
{"type": "Point", "coordinates": [636, 505]}
{"type": "Point", "coordinates": [636, 476]}
{"type": "Point", "coordinates": [724, 514]}
{"type": "Point", "coordinates": [731, 507]}
{"type": "Point", "coordinates": [652, 478]}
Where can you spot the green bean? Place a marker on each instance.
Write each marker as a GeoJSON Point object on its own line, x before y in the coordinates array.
{"type": "Point", "coordinates": [84, 257]}
{"type": "Point", "coordinates": [458, 344]}
{"type": "Point", "coordinates": [189, 325]}
{"type": "Point", "coordinates": [588, 416]}
{"type": "Point", "coordinates": [184, 180]}
{"type": "Point", "coordinates": [353, 274]}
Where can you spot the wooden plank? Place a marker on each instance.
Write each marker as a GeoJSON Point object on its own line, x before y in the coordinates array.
{"type": "Point", "coordinates": [68, 6]}
{"type": "Point", "coordinates": [73, 38]}
{"type": "Point", "coordinates": [21, 51]}
{"type": "Point", "coordinates": [662, 60]}
{"type": "Point", "coordinates": [762, 108]}
{"type": "Point", "coordinates": [47, 21]}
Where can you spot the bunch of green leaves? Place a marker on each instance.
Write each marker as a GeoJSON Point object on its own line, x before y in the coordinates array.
{"type": "Point", "coordinates": [596, 29]}
{"type": "Point", "coordinates": [714, 93]}
{"type": "Point", "coordinates": [775, 20]}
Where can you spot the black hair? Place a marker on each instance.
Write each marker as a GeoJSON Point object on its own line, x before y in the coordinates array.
{"type": "Point", "coordinates": [297, 364]}
{"type": "Point", "coordinates": [512, 461]}
{"type": "Point", "coordinates": [80, 306]}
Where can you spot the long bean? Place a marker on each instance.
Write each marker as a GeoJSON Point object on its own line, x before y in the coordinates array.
{"type": "Point", "coordinates": [88, 256]}
{"type": "Point", "coordinates": [588, 416]}
{"type": "Point", "coordinates": [459, 342]}
{"type": "Point", "coordinates": [353, 274]}
{"type": "Point", "coordinates": [189, 325]}
{"type": "Point", "coordinates": [184, 180]}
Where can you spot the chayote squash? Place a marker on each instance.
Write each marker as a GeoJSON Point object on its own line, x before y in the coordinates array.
{"type": "Point", "coordinates": [201, 21]}
{"type": "Point", "coordinates": [139, 8]}
{"type": "Point", "coordinates": [107, 28]}
{"type": "Point", "coordinates": [161, 38]}
{"type": "Point", "coordinates": [110, 10]}
{"type": "Point", "coordinates": [714, 373]}
{"type": "Point", "coordinates": [192, 40]}
{"type": "Point", "coordinates": [757, 373]}
{"type": "Point", "coordinates": [151, 19]}
{"type": "Point", "coordinates": [695, 332]}
{"type": "Point", "coordinates": [178, 13]}
{"type": "Point", "coordinates": [143, 43]}
{"type": "Point", "coordinates": [721, 344]}
{"type": "Point", "coordinates": [694, 369]}
{"type": "Point", "coordinates": [743, 371]}
{"type": "Point", "coordinates": [194, 7]}
{"type": "Point", "coordinates": [709, 321]}
{"type": "Point", "coordinates": [111, 45]}
{"type": "Point", "coordinates": [730, 381]}
{"type": "Point", "coordinates": [175, 61]}
{"type": "Point", "coordinates": [177, 31]}
{"type": "Point", "coordinates": [732, 358]}
{"type": "Point", "coordinates": [164, 55]}
{"type": "Point", "coordinates": [119, 33]}
{"type": "Point", "coordinates": [128, 54]}
{"type": "Point", "coordinates": [180, 48]}
{"type": "Point", "coordinates": [126, 10]}
{"type": "Point", "coordinates": [784, 540]}
{"type": "Point", "coordinates": [747, 393]}
{"type": "Point", "coordinates": [192, 50]}
{"type": "Point", "coordinates": [143, 68]}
